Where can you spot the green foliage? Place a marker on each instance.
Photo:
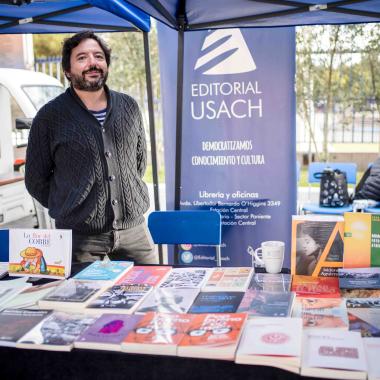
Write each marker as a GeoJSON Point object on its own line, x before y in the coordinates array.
{"type": "Point", "coordinates": [48, 45]}
{"type": "Point", "coordinates": [338, 70]}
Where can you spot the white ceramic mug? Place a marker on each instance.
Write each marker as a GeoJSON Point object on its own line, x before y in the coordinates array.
{"type": "Point", "coordinates": [270, 255]}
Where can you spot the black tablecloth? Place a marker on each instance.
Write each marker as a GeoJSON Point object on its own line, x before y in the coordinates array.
{"type": "Point", "coordinates": [92, 364]}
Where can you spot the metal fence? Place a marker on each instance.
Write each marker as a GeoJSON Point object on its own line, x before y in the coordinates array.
{"type": "Point", "coordinates": [51, 66]}
{"type": "Point", "coordinates": [354, 114]}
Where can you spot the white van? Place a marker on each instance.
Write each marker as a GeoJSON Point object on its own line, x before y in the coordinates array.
{"type": "Point", "coordinates": [22, 94]}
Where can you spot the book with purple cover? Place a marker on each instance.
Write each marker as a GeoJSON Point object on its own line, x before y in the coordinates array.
{"type": "Point", "coordinates": [107, 332]}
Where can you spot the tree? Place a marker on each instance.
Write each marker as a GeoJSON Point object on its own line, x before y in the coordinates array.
{"type": "Point", "coordinates": [48, 45]}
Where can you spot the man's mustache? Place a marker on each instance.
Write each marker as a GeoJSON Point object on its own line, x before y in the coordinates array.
{"type": "Point", "coordinates": [93, 69]}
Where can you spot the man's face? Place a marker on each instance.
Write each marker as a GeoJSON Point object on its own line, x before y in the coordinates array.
{"type": "Point", "coordinates": [88, 66]}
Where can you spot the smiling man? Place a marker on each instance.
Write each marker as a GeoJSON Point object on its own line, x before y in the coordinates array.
{"type": "Point", "coordinates": [86, 158]}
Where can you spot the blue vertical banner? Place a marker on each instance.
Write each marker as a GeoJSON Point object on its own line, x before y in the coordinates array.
{"type": "Point", "coordinates": [238, 139]}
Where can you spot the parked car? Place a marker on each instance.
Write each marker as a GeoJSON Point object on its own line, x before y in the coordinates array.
{"type": "Point", "coordinates": [22, 94]}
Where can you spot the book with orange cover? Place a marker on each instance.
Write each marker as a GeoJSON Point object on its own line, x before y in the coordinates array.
{"type": "Point", "coordinates": [315, 287]}
{"type": "Point", "coordinates": [212, 336]}
{"type": "Point", "coordinates": [317, 245]}
{"type": "Point", "coordinates": [157, 333]}
{"type": "Point", "coordinates": [361, 240]}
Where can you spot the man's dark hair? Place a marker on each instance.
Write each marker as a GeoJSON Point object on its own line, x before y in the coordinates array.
{"type": "Point", "coordinates": [70, 43]}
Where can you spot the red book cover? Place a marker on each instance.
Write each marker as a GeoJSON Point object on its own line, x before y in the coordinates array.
{"type": "Point", "coordinates": [214, 330]}
{"type": "Point", "coordinates": [159, 328]}
{"type": "Point", "coordinates": [308, 286]}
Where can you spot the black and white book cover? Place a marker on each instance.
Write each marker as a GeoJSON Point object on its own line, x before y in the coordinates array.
{"type": "Point", "coordinates": [58, 330]}
{"type": "Point", "coordinates": [121, 297]}
{"type": "Point", "coordinates": [277, 282]}
{"type": "Point", "coordinates": [169, 300]}
{"type": "Point", "coordinates": [74, 291]}
{"type": "Point", "coordinates": [186, 278]}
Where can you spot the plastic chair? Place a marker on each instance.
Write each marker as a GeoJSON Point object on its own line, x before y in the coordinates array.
{"type": "Point", "coordinates": [318, 167]}
{"type": "Point", "coordinates": [187, 227]}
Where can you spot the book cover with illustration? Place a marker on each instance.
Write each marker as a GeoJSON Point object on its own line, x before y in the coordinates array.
{"type": "Point", "coordinates": [361, 240]}
{"type": "Point", "coordinates": [321, 312]}
{"type": "Point", "coordinates": [258, 303]}
{"type": "Point", "coordinates": [315, 287]}
{"type": "Point", "coordinates": [212, 336]}
{"type": "Point", "coordinates": [273, 342]}
{"type": "Point", "coordinates": [104, 270]}
{"type": "Point", "coordinates": [57, 332]}
{"type": "Point", "coordinates": [359, 278]}
{"type": "Point", "coordinates": [15, 323]}
{"type": "Point", "coordinates": [229, 279]}
{"type": "Point", "coordinates": [186, 278]}
{"type": "Point", "coordinates": [364, 316]}
{"type": "Point", "coordinates": [317, 245]}
{"type": "Point", "coordinates": [168, 300]}
{"type": "Point", "coordinates": [40, 253]}
{"type": "Point", "coordinates": [107, 332]}
{"type": "Point", "coordinates": [144, 275]}
{"type": "Point", "coordinates": [157, 333]}
{"type": "Point", "coordinates": [216, 302]}
{"type": "Point", "coordinates": [278, 282]}
{"type": "Point", "coordinates": [119, 299]}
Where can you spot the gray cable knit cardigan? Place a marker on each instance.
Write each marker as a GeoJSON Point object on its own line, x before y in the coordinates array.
{"type": "Point", "coordinates": [88, 176]}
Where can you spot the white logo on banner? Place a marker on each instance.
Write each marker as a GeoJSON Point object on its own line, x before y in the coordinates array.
{"type": "Point", "coordinates": [240, 59]}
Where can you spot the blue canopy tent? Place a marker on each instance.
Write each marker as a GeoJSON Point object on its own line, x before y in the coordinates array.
{"type": "Point", "coordinates": [71, 16]}
{"type": "Point", "coordinates": [192, 15]}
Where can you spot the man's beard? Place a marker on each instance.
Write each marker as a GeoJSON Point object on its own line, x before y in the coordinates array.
{"type": "Point", "coordinates": [81, 83]}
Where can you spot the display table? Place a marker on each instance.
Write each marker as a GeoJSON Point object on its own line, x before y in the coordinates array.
{"type": "Point", "coordinates": [92, 365]}
{"type": "Point", "coordinates": [81, 364]}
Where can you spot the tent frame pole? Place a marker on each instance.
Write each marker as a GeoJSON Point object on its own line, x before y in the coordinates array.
{"type": "Point", "coordinates": [152, 131]}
